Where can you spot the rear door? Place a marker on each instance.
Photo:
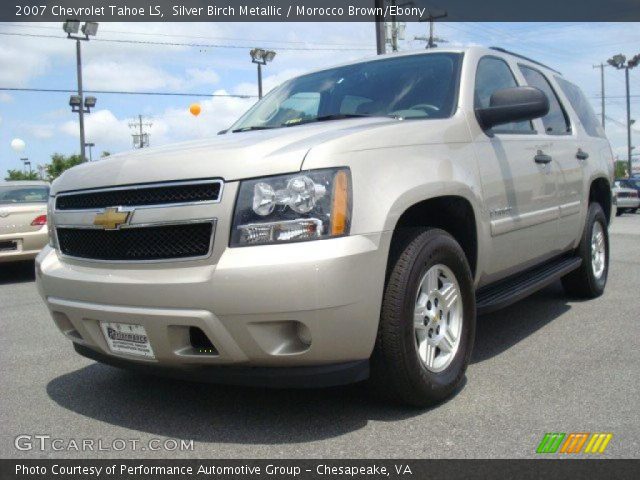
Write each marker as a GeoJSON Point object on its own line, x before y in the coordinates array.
{"type": "Point", "coordinates": [519, 192]}
{"type": "Point", "coordinates": [561, 142]}
{"type": "Point", "coordinates": [592, 140]}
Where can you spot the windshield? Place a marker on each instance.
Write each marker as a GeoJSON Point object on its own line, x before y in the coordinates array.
{"type": "Point", "coordinates": [23, 194]}
{"type": "Point", "coordinates": [415, 86]}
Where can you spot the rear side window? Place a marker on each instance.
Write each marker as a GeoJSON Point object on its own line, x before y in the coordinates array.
{"type": "Point", "coordinates": [494, 74]}
{"type": "Point", "coordinates": [582, 107]}
{"type": "Point", "coordinates": [556, 121]}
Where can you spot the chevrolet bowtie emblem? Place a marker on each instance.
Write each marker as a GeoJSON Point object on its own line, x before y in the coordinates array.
{"type": "Point", "coordinates": [111, 218]}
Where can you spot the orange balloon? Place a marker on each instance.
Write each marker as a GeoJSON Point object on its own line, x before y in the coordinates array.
{"type": "Point", "coordinates": [195, 109]}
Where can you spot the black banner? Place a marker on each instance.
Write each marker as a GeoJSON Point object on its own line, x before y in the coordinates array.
{"type": "Point", "coordinates": [319, 10]}
{"type": "Point", "coordinates": [319, 469]}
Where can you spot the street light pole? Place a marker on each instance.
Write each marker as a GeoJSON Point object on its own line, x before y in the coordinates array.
{"type": "Point", "coordinates": [260, 57]}
{"type": "Point", "coordinates": [71, 27]}
{"type": "Point", "coordinates": [83, 157]}
{"type": "Point", "coordinates": [259, 80]}
{"type": "Point", "coordinates": [90, 145]}
{"type": "Point", "coordinates": [620, 62]}
{"type": "Point", "coordinates": [602, 94]}
{"type": "Point", "coordinates": [629, 147]}
{"type": "Point", "coordinates": [26, 162]}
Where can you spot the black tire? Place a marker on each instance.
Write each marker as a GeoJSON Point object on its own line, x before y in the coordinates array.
{"type": "Point", "coordinates": [619, 211]}
{"type": "Point", "coordinates": [582, 282]}
{"type": "Point", "coordinates": [396, 369]}
{"type": "Point", "coordinates": [634, 210]}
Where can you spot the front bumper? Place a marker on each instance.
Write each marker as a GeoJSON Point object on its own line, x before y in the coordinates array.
{"type": "Point", "coordinates": [249, 304]}
{"type": "Point", "coordinates": [28, 245]}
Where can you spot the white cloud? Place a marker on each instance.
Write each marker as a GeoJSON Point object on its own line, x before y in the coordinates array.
{"type": "Point", "coordinates": [137, 76]}
{"type": "Point", "coordinates": [41, 132]}
{"type": "Point", "coordinates": [134, 76]}
{"type": "Point", "coordinates": [109, 132]}
{"type": "Point", "coordinates": [20, 65]}
{"type": "Point", "coordinates": [205, 76]}
{"type": "Point", "coordinates": [102, 128]}
{"type": "Point", "coordinates": [269, 82]}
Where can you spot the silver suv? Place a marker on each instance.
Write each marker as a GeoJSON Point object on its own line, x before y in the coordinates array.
{"type": "Point", "coordinates": [350, 226]}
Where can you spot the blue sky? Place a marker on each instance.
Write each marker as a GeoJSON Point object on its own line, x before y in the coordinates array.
{"type": "Point", "coordinates": [45, 123]}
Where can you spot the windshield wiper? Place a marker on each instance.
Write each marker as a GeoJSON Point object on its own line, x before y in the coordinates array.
{"type": "Point", "coordinates": [252, 127]}
{"type": "Point", "coordinates": [324, 118]}
{"type": "Point", "coordinates": [337, 116]}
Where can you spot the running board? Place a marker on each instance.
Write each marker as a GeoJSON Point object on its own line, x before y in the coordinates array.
{"type": "Point", "coordinates": [515, 288]}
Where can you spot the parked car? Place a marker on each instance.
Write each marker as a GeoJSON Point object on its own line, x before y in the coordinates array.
{"type": "Point", "coordinates": [23, 219]}
{"type": "Point", "coordinates": [626, 199]}
{"type": "Point", "coordinates": [350, 225]}
{"type": "Point", "coordinates": [632, 182]}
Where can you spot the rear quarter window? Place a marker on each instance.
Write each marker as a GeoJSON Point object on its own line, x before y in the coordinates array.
{"type": "Point", "coordinates": [582, 107]}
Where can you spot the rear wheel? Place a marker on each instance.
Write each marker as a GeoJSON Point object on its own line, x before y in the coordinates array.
{"type": "Point", "coordinates": [427, 324]}
{"type": "Point", "coordinates": [589, 280]}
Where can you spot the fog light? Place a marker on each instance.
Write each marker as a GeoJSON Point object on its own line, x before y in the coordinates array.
{"type": "Point", "coordinates": [304, 334]}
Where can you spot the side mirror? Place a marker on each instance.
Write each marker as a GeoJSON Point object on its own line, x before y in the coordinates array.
{"type": "Point", "coordinates": [513, 105]}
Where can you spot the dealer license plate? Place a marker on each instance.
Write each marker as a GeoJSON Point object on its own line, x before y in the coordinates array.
{"type": "Point", "coordinates": [128, 339]}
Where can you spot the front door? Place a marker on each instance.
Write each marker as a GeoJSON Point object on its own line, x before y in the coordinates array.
{"type": "Point", "coordinates": [519, 182]}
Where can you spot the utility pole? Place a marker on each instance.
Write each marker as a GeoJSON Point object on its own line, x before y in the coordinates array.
{"type": "Point", "coordinates": [393, 34]}
{"type": "Point", "coordinates": [602, 98]}
{"type": "Point", "coordinates": [380, 30]}
{"type": "Point", "coordinates": [140, 138]}
{"type": "Point", "coordinates": [432, 39]}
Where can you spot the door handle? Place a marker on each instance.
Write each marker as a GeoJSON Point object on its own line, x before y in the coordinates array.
{"type": "Point", "coordinates": [542, 157]}
{"type": "Point", "coordinates": [582, 155]}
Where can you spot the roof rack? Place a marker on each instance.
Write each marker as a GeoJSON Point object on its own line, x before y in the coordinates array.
{"type": "Point", "coordinates": [503, 50]}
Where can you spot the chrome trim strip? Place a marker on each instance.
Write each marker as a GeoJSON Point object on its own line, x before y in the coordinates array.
{"type": "Point", "coordinates": [524, 220]}
{"type": "Point", "coordinates": [570, 208]}
{"type": "Point", "coordinates": [140, 187]}
{"type": "Point", "coordinates": [213, 221]}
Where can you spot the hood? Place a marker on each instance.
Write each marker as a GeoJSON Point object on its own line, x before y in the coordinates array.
{"type": "Point", "coordinates": [232, 156]}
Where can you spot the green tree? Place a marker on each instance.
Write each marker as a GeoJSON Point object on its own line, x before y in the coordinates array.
{"type": "Point", "coordinates": [60, 163]}
{"type": "Point", "coordinates": [20, 175]}
{"type": "Point", "coordinates": [105, 154]}
{"type": "Point", "coordinates": [621, 168]}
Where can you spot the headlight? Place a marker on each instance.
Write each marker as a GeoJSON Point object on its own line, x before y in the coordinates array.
{"type": "Point", "coordinates": [50, 228]}
{"type": "Point", "coordinates": [291, 208]}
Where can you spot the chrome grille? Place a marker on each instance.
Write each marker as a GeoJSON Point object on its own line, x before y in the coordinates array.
{"type": "Point", "coordinates": [164, 242]}
{"type": "Point", "coordinates": [141, 195]}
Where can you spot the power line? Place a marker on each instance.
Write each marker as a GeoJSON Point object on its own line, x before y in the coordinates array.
{"type": "Point", "coordinates": [180, 44]}
{"type": "Point", "coordinates": [175, 35]}
{"type": "Point", "coordinates": [120, 92]}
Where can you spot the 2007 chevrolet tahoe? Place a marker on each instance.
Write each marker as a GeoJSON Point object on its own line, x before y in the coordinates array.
{"type": "Point", "coordinates": [350, 225]}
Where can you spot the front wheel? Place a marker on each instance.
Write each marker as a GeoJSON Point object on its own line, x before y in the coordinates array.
{"type": "Point", "coordinates": [427, 323]}
{"type": "Point", "coordinates": [589, 280]}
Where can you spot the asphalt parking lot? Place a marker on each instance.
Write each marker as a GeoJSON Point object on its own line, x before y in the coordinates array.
{"type": "Point", "coordinates": [546, 364]}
